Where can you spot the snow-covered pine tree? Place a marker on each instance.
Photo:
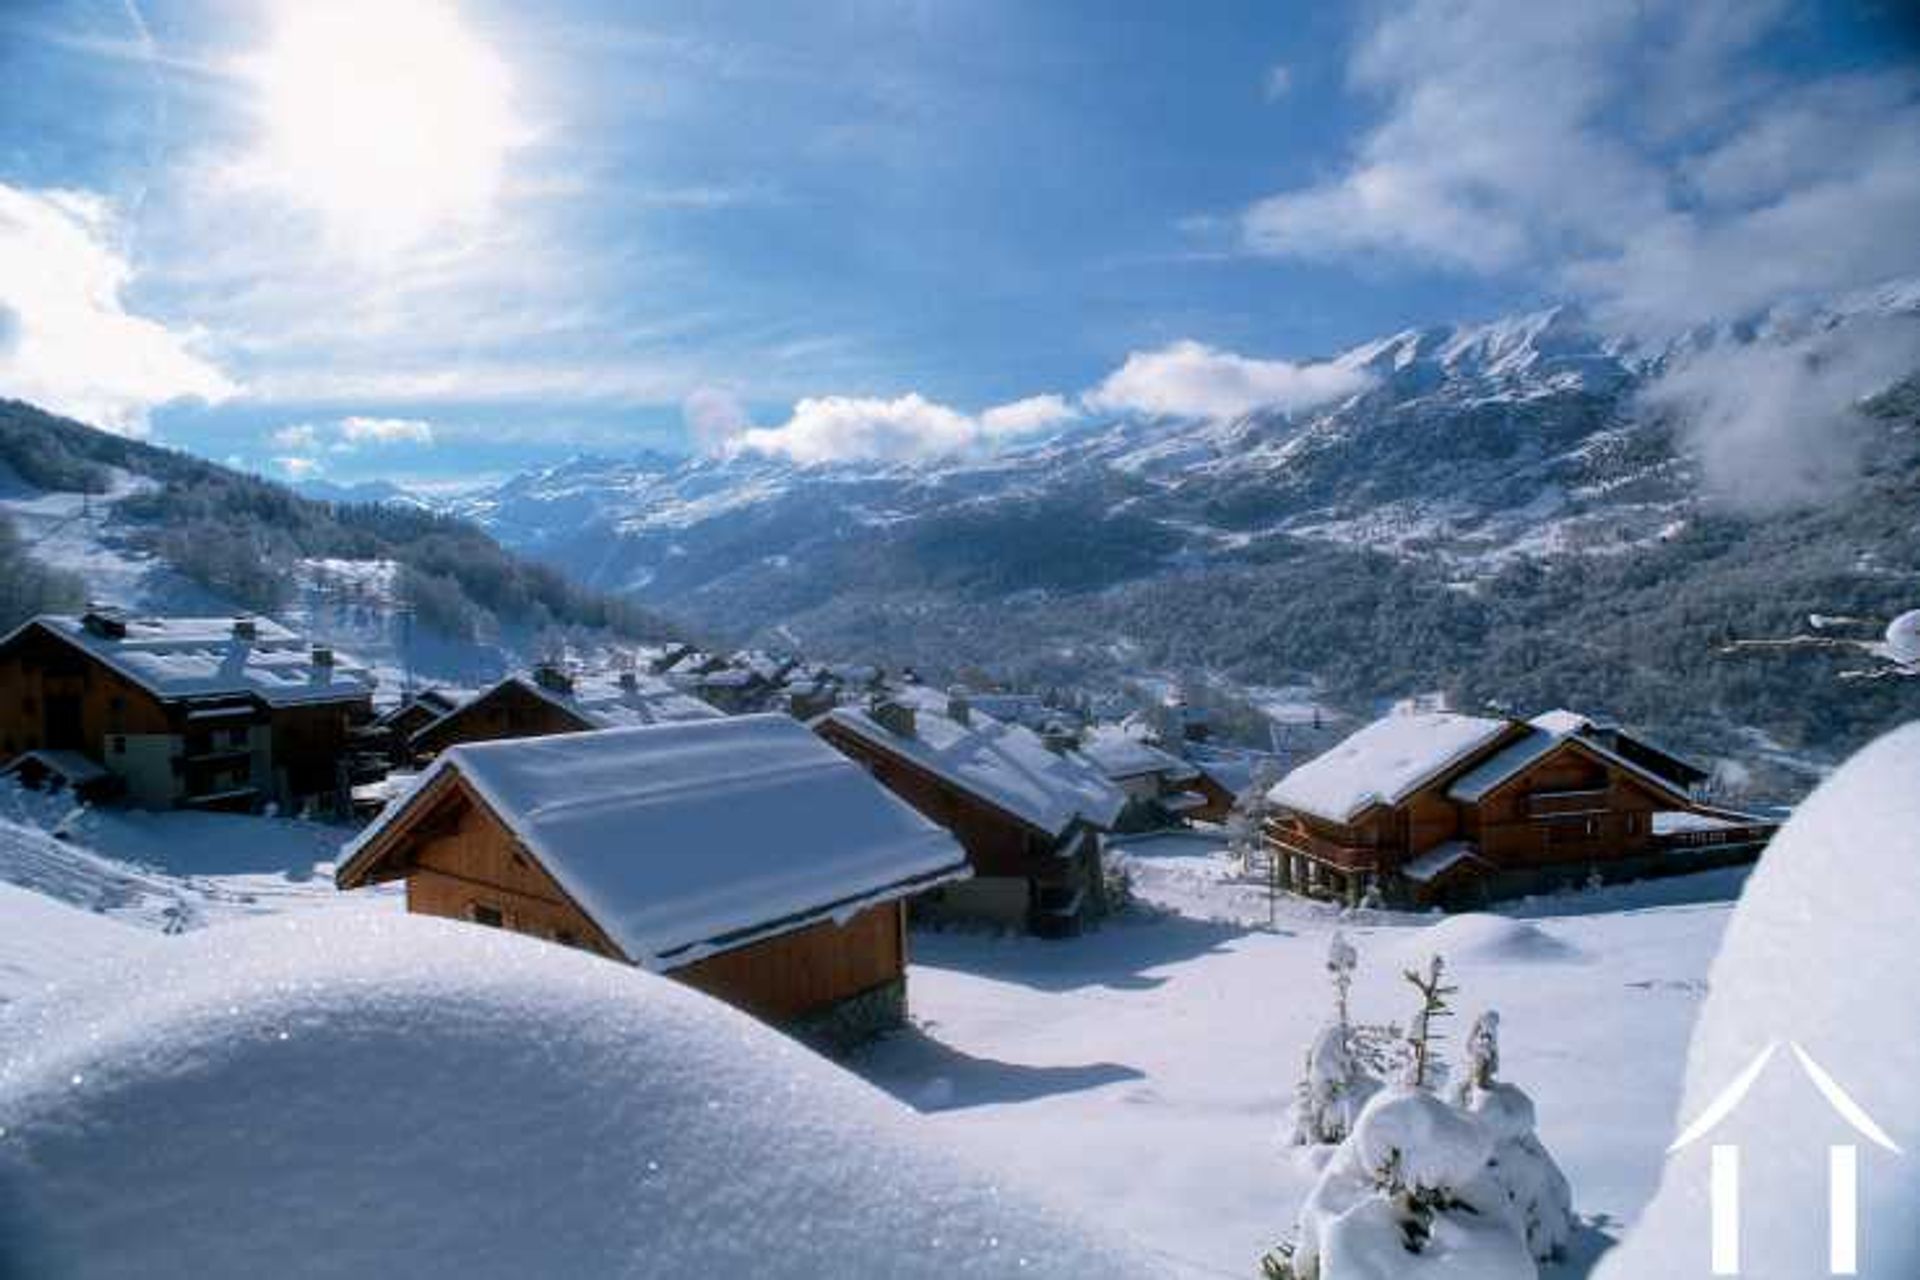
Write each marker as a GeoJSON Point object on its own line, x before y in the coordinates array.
{"type": "Point", "coordinates": [1333, 1084]}
{"type": "Point", "coordinates": [1525, 1183]}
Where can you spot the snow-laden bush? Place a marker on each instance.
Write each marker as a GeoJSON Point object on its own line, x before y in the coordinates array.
{"type": "Point", "coordinates": [1424, 1189]}
{"type": "Point", "coordinates": [1334, 1086]}
{"type": "Point", "coordinates": [1535, 1194]}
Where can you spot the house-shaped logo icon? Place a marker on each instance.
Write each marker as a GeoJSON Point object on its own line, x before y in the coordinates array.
{"type": "Point", "coordinates": [1843, 1165]}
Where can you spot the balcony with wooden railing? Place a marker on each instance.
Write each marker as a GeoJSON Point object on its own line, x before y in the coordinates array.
{"type": "Point", "coordinates": [1346, 856]}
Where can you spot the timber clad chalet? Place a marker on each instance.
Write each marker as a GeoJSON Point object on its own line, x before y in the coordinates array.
{"type": "Point", "coordinates": [1030, 817]}
{"type": "Point", "coordinates": [552, 701]}
{"type": "Point", "coordinates": [743, 857]}
{"type": "Point", "coordinates": [1439, 808]}
{"type": "Point", "coordinates": [214, 713]}
{"type": "Point", "coordinates": [1158, 784]}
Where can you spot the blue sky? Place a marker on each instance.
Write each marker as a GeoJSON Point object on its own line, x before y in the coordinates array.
{"type": "Point", "coordinates": [426, 239]}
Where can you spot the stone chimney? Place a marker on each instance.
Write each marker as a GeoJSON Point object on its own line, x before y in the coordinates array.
{"type": "Point", "coordinates": [893, 715]}
{"type": "Point", "coordinates": [959, 709]}
{"type": "Point", "coordinates": [629, 682]}
{"type": "Point", "coordinates": [323, 656]}
{"type": "Point", "coordinates": [551, 677]}
{"type": "Point", "coordinates": [246, 629]}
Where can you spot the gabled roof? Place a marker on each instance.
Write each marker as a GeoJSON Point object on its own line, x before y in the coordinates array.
{"type": "Point", "coordinates": [1006, 765]}
{"type": "Point", "coordinates": [1385, 762]}
{"type": "Point", "coordinates": [595, 703]}
{"type": "Point", "coordinates": [1119, 754]}
{"type": "Point", "coordinates": [179, 659]}
{"type": "Point", "coordinates": [1546, 733]}
{"type": "Point", "coordinates": [685, 839]}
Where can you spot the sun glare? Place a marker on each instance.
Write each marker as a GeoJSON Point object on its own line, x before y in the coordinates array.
{"type": "Point", "coordinates": [389, 118]}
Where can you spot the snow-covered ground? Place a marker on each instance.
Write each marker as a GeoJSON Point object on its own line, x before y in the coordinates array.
{"type": "Point", "coordinates": [1138, 1074]}
{"type": "Point", "coordinates": [1143, 1068]}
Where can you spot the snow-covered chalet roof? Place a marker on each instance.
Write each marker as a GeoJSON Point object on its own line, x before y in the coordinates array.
{"type": "Point", "coordinates": [1384, 763]}
{"type": "Point", "coordinates": [187, 658]}
{"type": "Point", "coordinates": [1120, 754]}
{"type": "Point", "coordinates": [1545, 732]}
{"type": "Point", "coordinates": [602, 702]}
{"type": "Point", "coordinates": [680, 840]}
{"type": "Point", "coordinates": [1007, 765]}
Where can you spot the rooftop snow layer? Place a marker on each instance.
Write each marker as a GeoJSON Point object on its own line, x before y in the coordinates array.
{"type": "Point", "coordinates": [675, 837]}
{"type": "Point", "coordinates": [175, 658]}
{"type": "Point", "coordinates": [1120, 754]}
{"type": "Point", "coordinates": [607, 703]}
{"type": "Point", "coordinates": [1006, 765]}
{"type": "Point", "coordinates": [1475, 783]}
{"type": "Point", "coordinates": [396, 1095]}
{"type": "Point", "coordinates": [1384, 763]}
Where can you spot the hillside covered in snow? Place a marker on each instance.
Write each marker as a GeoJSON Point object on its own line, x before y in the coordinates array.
{"type": "Point", "coordinates": [89, 516]}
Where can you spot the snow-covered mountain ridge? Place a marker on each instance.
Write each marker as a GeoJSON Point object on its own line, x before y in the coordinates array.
{"type": "Point", "coordinates": [1510, 510]}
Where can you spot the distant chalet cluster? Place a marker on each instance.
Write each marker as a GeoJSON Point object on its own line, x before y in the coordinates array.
{"type": "Point", "coordinates": [763, 828]}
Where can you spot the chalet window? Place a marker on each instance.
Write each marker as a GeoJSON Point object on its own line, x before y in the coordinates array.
{"type": "Point", "coordinates": [116, 703]}
{"type": "Point", "coordinates": [236, 737]}
{"type": "Point", "coordinates": [487, 914]}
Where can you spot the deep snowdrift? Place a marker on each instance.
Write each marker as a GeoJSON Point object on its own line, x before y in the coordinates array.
{"type": "Point", "coordinates": [1819, 954]}
{"type": "Point", "coordinates": [43, 941]}
{"type": "Point", "coordinates": [390, 1095]}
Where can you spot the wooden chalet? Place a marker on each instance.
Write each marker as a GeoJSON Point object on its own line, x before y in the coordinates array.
{"type": "Point", "coordinates": [1161, 788]}
{"type": "Point", "coordinates": [553, 701]}
{"type": "Point", "coordinates": [1435, 808]}
{"type": "Point", "coordinates": [741, 856]}
{"type": "Point", "coordinates": [1031, 818]}
{"type": "Point", "coordinates": [414, 712]}
{"type": "Point", "coordinates": [214, 713]}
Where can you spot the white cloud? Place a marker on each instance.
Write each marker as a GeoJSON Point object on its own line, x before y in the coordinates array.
{"type": "Point", "coordinates": [1632, 151]}
{"type": "Point", "coordinates": [1192, 380]}
{"type": "Point", "coordinates": [67, 341]}
{"type": "Point", "coordinates": [1023, 417]}
{"type": "Point", "coordinates": [836, 428]}
{"type": "Point", "coordinates": [1279, 81]}
{"type": "Point", "coordinates": [359, 430]}
{"type": "Point", "coordinates": [842, 428]}
{"type": "Point", "coordinates": [297, 468]}
{"type": "Point", "coordinates": [1778, 427]}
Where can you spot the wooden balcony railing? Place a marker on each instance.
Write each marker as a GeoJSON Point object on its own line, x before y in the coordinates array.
{"type": "Point", "coordinates": [1346, 857]}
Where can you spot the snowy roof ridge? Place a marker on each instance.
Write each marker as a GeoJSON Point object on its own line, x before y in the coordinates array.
{"type": "Point", "coordinates": [1006, 765]}
{"type": "Point", "coordinates": [1385, 762]}
{"type": "Point", "coordinates": [681, 839]}
{"type": "Point", "coordinates": [1547, 732]}
{"type": "Point", "coordinates": [1119, 754]}
{"type": "Point", "coordinates": [183, 658]}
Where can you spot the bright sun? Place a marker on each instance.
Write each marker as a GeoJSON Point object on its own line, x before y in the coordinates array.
{"type": "Point", "coordinates": [387, 117]}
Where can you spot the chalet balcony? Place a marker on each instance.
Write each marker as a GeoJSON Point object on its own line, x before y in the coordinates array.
{"type": "Point", "coordinates": [1544, 804]}
{"type": "Point", "coordinates": [1333, 853]}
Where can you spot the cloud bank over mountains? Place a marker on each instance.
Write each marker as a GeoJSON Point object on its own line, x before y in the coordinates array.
{"type": "Point", "coordinates": [1643, 155]}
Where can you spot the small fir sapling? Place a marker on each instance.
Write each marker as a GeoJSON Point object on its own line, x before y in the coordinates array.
{"type": "Point", "coordinates": [1334, 1086]}
{"type": "Point", "coordinates": [1528, 1186]}
{"type": "Point", "coordinates": [1423, 1065]}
